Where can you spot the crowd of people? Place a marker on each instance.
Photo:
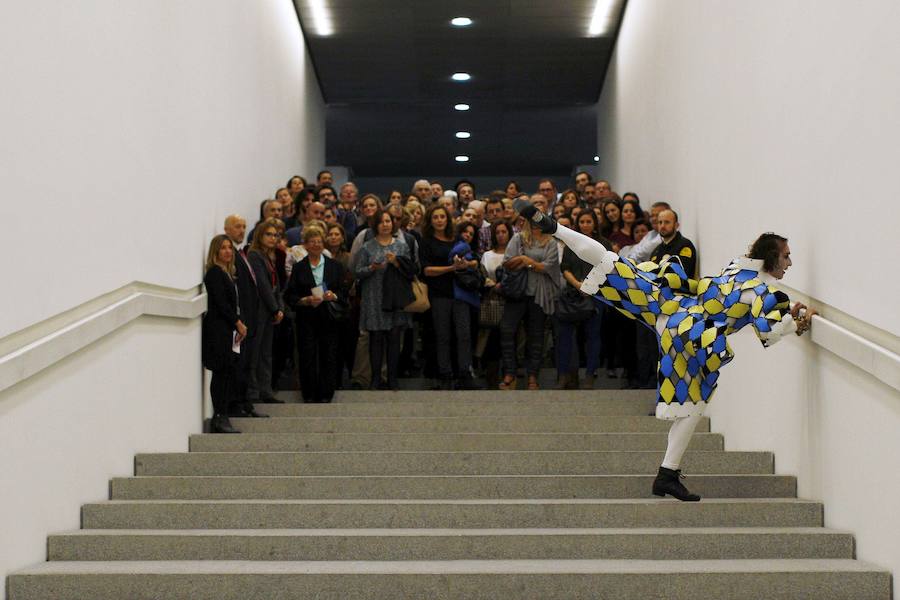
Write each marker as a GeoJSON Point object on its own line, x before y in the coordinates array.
{"type": "Point", "coordinates": [358, 291]}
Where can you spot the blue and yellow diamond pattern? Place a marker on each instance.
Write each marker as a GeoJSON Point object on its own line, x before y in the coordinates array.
{"type": "Point", "coordinates": [692, 320]}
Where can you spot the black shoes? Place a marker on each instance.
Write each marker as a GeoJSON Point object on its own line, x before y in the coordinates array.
{"type": "Point", "coordinates": [467, 383]}
{"type": "Point", "coordinates": [221, 424]}
{"type": "Point", "coordinates": [544, 222]}
{"type": "Point", "coordinates": [668, 482]}
{"type": "Point", "coordinates": [271, 400]}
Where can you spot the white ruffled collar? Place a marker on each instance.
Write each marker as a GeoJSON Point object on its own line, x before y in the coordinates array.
{"type": "Point", "coordinates": [754, 264]}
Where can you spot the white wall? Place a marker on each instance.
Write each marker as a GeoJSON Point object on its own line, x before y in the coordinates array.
{"type": "Point", "coordinates": [780, 116]}
{"type": "Point", "coordinates": [132, 128]}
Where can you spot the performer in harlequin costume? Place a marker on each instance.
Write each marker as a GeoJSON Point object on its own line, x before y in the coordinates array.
{"type": "Point", "coordinates": [691, 320]}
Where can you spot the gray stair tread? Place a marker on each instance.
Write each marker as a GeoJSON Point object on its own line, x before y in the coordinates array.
{"type": "Point", "coordinates": [445, 532]}
{"type": "Point", "coordinates": [451, 567]}
{"type": "Point", "coordinates": [490, 501]}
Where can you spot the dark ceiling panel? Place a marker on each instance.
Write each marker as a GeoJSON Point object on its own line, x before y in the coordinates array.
{"type": "Point", "coordinates": [385, 74]}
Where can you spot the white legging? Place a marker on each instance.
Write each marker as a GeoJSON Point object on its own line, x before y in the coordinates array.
{"type": "Point", "coordinates": [586, 248]}
{"type": "Point", "coordinates": [593, 252]}
{"type": "Point", "coordinates": [679, 438]}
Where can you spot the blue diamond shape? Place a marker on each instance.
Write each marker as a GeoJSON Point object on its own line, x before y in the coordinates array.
{"type": "Point", "coordinates": [744, 275]}
{"type": "Point", "coordinates": [693, 366]}
{"type": "Point", "coordinates": [733, 297]}
{"type": "Point", "coordinates": [675, 319]}
{"type": "Point", "coordinates": [763, 325]}
{"type": "Point", "coordinates": [665, 366]}
{"type": "Point", "coordinates": [697, 330]}
{"type": "Point", "coordinates": [678, 343]}
{"type": "Point", "coordinates": [681, 391]}
{"type": "Point", "coordinates": [653, 307]}
{"type": "Point", "coordinates": [617, 282]}
{"type": "Point", "coordinates": [719, 345]}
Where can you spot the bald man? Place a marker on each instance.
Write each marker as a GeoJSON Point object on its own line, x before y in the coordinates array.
{"type": "Point", "coordinates": [422, 191]}
{"type": "Point", "coordinates": [248, 300]}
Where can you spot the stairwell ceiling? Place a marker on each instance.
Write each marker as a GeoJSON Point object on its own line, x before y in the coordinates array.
{"type": "Point", "coordinates": [385, 71]}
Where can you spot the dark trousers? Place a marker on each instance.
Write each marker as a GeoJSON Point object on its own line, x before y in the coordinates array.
{"type": "Point", "coordinates": [513, 312]}
{"type": "Point", "coordinates": [223, 390]}
{"type": "Point", "coordinates": [317, 346]}
{"type": "Point", "coordinates": [647, 350]}
{"type": "Point", "coordinates": [282, 347]}
{"type": "Point", "coordinates": [380, 341]}
{"type": "Point", "coordinates": [451, 317]}
{"type": "Point", "coordinates": [568, 343]}
{"type": "Point", "coordinates": [260, 382]}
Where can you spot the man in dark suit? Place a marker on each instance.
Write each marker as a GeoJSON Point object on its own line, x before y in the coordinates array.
{"type": "Point", "coordinates": [248, 300]}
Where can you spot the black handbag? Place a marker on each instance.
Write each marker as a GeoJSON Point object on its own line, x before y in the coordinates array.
{"type": "Point", "coordinates": [513, 284]}
{"type": "Point", "coordinates": [471, 280]}
{"type": "Point", "coordinates": [573, 307]}
{"type": "Point", "coordinates": [338, 309]}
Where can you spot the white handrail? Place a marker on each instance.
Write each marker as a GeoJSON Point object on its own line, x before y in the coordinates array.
{"type": "Point", "coordinates": [857, 350]}
{"type": "Point", "coordinates": [40, 346]}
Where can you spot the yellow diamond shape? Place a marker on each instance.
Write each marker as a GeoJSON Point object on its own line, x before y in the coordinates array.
{"type": "Point", "coordinates": [692, 286]}
{"type": "Point", "coordinates": [649, 317]}
{"type": "Point", "coordinates": [703, 285]}
{"type": "Point", "coordinates": [667, 391]}
{"type": "Point", "coordinates": [756, 308]}
{"type": "Point", "coordinates": [686, 324]}
{"type": "Point", "coordinates": [665, 340]}
{"type": "Point", "coordinates": [750, 283]}
{"type": "Point", "coordinates": [637, 297]}
{"type": "Point", "coordinates": [737, 310]}
{"type": "Point", "coordinates": [610, 293]}
{"type": "Point", "coordinates": [695, 309]}
{"type": "Point", "coordinates": [774, 315]}
{"type": "Point", "coordinates": [625, 312]}
{"type": "Point", "coordinates": [725, 288]}
{"type": "Point", "coordinates": [669, 307]}
{"type": "Point", "coordinates": [674, 280]}
{"type": "Point", "coordinates": [713, 362]}
{"type": "Point", "coordinates": [708, 337]}
{"type": "Point", "coordinates": [680, 365]}
{"type": "Point", "coordinates": [694, 390]}
{"type": "Point", "coordinates": [624, 270]}
{"type": "Point", "coordinates": [713, 306]}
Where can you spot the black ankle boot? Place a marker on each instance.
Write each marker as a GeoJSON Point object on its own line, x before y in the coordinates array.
{"type": "Point", "coordinates": [221, 424]}
{"type": "Point", "coordinates": [669, 482]}
{"type": "Point", "coordinates": [544, 222]}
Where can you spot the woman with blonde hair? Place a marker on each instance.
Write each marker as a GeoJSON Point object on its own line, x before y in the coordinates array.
{"type": "Point", "coordinates": [223, 330]}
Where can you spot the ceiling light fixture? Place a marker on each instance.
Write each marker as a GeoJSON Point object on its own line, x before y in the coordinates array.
{"type": "Point", "coordinates": [461, 77]}
{"type": "Point", "coordinates": [602, 17]}
{"type": "Point", "coordinates": [463, 135]}
{"type": "Point", "coordinates": [462, 158]}
{"type": "Point", "coordinates": [596, 158]}
{"type": "Point", "coordinates": [321, 17]}
{"type": "Point", "coordinates": [461, 22]}
{"type": "Point", "coordinates": [462, 107]}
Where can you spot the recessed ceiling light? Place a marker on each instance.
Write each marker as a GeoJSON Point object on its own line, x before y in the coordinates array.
{"type": "Point", "coordinates": [596, 158]}
{"type": "Point", "coordinates": [461, 77]}
{"type": "Point", "coordinates": [461, 22]}
{"type": "Point", "coordinates": [461, 107]}
{"type": "Point", "coordinates": [602, 17]}
{"type": "Point", "coordinates": [321, 17]}
{"type": "Point", "coordinates": [463, 135]}
{"type": "Point", "coordinates": [462, 158]}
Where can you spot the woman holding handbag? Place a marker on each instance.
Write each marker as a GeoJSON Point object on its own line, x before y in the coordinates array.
{"type": "Point", "coordinates": [449, 315]}
{"type": "Point", "coordinates": [534, 253]}
{"type": "Point", "coordinates": [385, 327]}
{"type": "Point", "coordinates": [574, 271]}
{"type": "Point", "coordinates": [317, 291]}
{"type": "Point", "coordinates": [491, 309]}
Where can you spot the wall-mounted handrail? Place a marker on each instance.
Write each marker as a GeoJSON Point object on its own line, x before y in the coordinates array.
{"type": "Point", "coordinates": [35, 348]}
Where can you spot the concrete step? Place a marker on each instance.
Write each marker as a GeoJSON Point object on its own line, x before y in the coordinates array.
{"type": "Point", "coordinates": [489, 406]}
{"type": "Point", "coordinates": [485, 396]}
{"type": "Point", "coordinates": [506, 424]}
{"type": "Point", "coordinates": [443, 463]}
{"type": "Point", "coordinates": [450, 544]}
{"type": "Point", "coordinates": [823, 579]}
{"type": "Point", "coordinates": [452, 487]}
{"type": "Point", "coordinates": [443, 442]}
{"type": "Point", "coordinates": [467, 514]}
{"type": "Point", "coordinates": [547, 380]}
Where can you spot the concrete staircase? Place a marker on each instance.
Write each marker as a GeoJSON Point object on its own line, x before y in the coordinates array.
{"type": "Point", "coordinates": [416, 494]}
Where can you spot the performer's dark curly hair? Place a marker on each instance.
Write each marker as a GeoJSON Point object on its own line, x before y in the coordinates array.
{"type": "Point", "coordinates": [768, 248]}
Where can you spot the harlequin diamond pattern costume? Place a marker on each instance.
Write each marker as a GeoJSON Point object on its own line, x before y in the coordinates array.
{"type": "Point", "coordinates": [692, 320]}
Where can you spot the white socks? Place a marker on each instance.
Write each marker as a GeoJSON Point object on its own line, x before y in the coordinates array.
{"type": "Point", "coordinates": [591, 251]}
{"type": "Point", "coordinates": [679, 438]}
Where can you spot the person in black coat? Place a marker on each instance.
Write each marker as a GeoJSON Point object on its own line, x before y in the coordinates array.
{"type": "Point", "coordinates": [316, 282]}
{"type": "Point", "coordinates": [248, 300]}
{"type": "Point", "coordinates": [223, 330]}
